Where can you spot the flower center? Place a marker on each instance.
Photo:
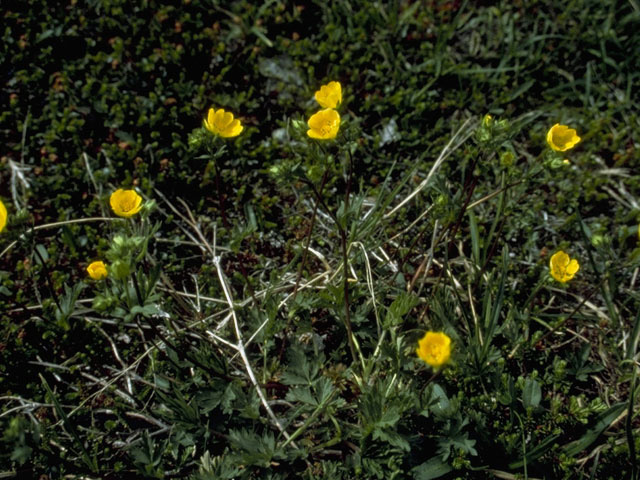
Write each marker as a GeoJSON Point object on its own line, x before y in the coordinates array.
{"type": "Point", "coordinates": [326, 128]}
{"type": "Point", "coordinates": [127, 204]}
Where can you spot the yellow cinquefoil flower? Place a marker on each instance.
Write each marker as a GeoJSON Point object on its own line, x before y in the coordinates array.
{"type": "Point", "coordinates": [434, 348]}
{"type": "Point", "coordinates": [563, 268]}
{"type": "Point", "coordinates": [329, 95]}
{"type": "Point", "coordinates": [324, 125]}
{"type": "Point", "coordinates": [562, 138]}
{"type": "Point", "coordinates": [97, 270]}
{"type": "Point", "coordinates": [125, 203]}
{"type": "Point", "coordinates": [3, 216]}
{"type": "Point", "coordinates": [222, 123]}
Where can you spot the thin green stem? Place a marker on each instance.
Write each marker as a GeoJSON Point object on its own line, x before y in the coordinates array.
{"type": "Point", "coordinates": [308, 240]}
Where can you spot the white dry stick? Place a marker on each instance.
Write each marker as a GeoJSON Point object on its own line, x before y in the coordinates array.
{"type": "Point", "coordinates": [446, 151]}
{"type": "Point", "coordinates": [426, 263]}
{"type": "Point", "coordinates": [18, 178]}
{"type": "Point", "coordinates": [90, 172]}
{"type": "Point", "coordinates": [243, 353]}
{"type": "Point", "coordinates": [369, 277]}
{"type": "Point", "coordinates": [119, 359]}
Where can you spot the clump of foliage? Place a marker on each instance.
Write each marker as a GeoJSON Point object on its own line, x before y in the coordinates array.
{"type": "Point", "coordinates": [270, 272]}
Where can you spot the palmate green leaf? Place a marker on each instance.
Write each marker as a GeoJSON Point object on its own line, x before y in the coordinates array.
{"type": "Point", "coordinates": [402, 305]}
{"type": "Point", "coordinates": [454, 438]}
{"type": "Point", "coordinates": [254, 449]}
{"type": "Point", "coordinates": [209, 399]}
{"type": "Point", "coordinates": [217, 468]}
{"type": "Point", "coordinates": [146, 453]}
{"type": "Point", "coordinates": [21, 454]}
{"type": "Point", "coordinates": [301, 394]}
{"type": "Point", "coordinates": [392, 438]}
{"type": "Point", "coordinates": [320, 393]}
{"type": "Point", "coordinates": [181, 409]}
{"type": "Point", "coordinates": [300, 370]}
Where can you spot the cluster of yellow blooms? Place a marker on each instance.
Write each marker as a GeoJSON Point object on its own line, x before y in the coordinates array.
{"type": "Point", "coordinates": [124, 203]}
{"type": "Point", "coordinates": [435, 347]}
{"type": "Point", "coordinates": [562, 138]}
{"type": "Point", "coordinates": [324, 125]}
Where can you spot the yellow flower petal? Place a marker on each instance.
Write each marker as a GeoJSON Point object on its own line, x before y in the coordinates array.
{"type": "Point", "coordinates": [324, 125]}
{"type": "Point", "coordinates": [562, 267]}
{"type": "Point", "coordinates": [573, 267]}
{"type": "Point", "coordinates": [97, 270]}
{"type": "Point", "coordinates": [232, 130]}
{"type": "Point", "coordinates": [315, 134]}
{"type": "Point", "coordinates": [434, 348]}
{"type": "Point", "coordinates": [222, 123]}
{"type": "Point", "coordinates": [219, 119]}
{"type": "Point", "coordinates": [329, 95]}
{"type": "Point", "coordinates": [125, 203]}
{"type": "Point", "coordinates": [3, 216]}
{"type": "Point", "coordinates": [562, 138]}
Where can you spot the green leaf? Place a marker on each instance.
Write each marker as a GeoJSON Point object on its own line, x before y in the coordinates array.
{"type": "Point", "coordinates": [531, 394]}
{"type": "Point", "coordinates": [399, 308]}
{"type": "Point", "coordinates": [535, 453]}
{"type": "Point", "coordinates": [431, 469]}
{"type": "Point", "coordinates": [603, 421]}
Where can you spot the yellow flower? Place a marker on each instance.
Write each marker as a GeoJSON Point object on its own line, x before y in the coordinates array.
{"type": "Point", "coordinates": [434, 348]}
{"type": "Point", "coordinates": [222, 123]}
{"type": "Point", "coordinates": [487, 120]}
{"type": "Point", "coordinates": [329, 95]}
{"type": "Point", "coordinates": [324, 125]}
{"type": "Point", "coordinates": [562, 138]}
{"type": "Point", "coordinates": [563, 268]}
{"type": "Point", "coordinates": [125, 203]}
{"type": "Point", "coordinates": [3, 216]}
{"type": "Point", "coordinates": [97, 270]}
